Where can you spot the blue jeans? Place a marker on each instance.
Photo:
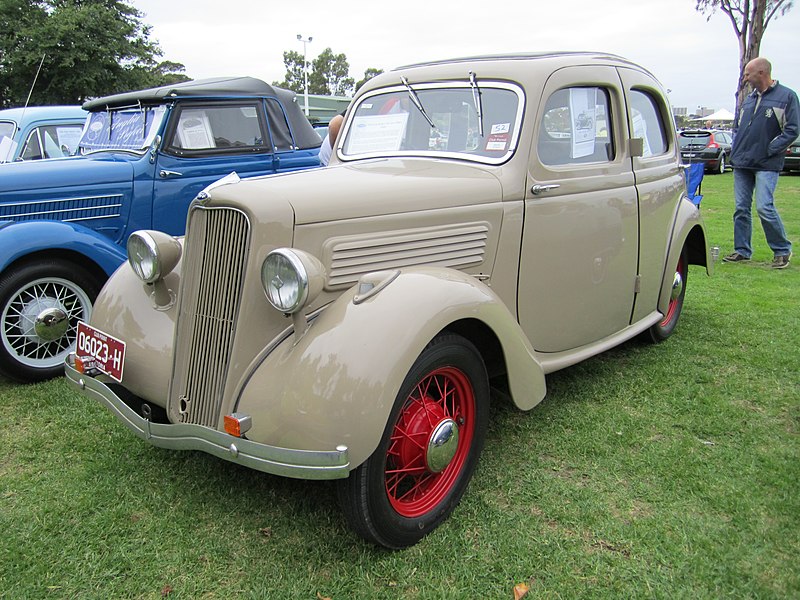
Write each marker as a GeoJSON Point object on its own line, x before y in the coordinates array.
{"type": "Point", "coordinates": [764, 183]}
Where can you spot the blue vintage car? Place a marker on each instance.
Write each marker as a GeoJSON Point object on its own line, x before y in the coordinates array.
{"type": "Point", "coordinates": [144, 156]}
{"type": "Point", "coordinates": [36, 132]}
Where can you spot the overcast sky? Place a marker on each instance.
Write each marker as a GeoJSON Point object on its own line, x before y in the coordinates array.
{"type": "Point", "coordinates": [696, 59]}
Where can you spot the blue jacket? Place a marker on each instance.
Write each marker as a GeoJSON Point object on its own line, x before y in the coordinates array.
{"type": "Point", "coordinates": [762, 135]}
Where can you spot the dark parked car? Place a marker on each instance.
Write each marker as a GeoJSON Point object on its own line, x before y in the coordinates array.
{"type": "Point", "coordinates": [145, 156]}
{"type": "Point", "coordinates": [792, 162]}
{"type": "Point", "coordinates": [711, 146]}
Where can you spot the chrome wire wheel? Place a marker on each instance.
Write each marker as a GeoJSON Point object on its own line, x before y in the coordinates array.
{"type": "Point", "coordinates": [41, 303]}
{"type": "Point", "coordinates": [41, 319]}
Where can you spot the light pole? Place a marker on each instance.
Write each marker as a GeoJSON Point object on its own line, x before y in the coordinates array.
{"type": "Point", "coordinates": [305, 67]}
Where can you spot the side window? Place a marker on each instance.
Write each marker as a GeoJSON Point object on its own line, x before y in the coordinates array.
{"type": "Point", "coordinates": [281, 134]}
{"type": "Point", "coordinates": [576, 127]}
{"type": "Point", "coordinates": [217, 129]}
{"type": "Point", "coordinates": [647, 124]}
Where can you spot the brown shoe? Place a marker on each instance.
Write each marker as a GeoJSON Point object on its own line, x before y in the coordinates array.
{"type": "Point", "coordinates": [781, 262]}
{"type": "Point", "coordinates": [735, 257]}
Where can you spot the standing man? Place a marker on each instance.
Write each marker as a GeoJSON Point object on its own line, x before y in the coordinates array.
{"type": "Point", "coordinates": [767, 123]}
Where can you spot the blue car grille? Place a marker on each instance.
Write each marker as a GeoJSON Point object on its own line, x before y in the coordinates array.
{"type": "Point", "coordinates": [63, 209]}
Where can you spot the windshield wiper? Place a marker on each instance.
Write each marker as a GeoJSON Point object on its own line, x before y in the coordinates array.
{"type": "Point", "coordinates": [415, 100]}
{"type": "Point", "coordinates": [476, 98]}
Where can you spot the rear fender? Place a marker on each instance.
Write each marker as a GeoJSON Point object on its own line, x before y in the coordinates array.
{"type": "Point", "coordinates": [24, 238]}
{"type": "Point", "coordinates": [688, 232]}
{"type": "Point", "coordinates": [336, 384]}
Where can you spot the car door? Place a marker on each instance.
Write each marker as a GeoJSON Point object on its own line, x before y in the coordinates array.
{"type": "Point", "coordinates": [579, 254]}
{"type": "Point", "coordinates": [202, 143]}
{"type": "Point", "coordinates": [659, 181]}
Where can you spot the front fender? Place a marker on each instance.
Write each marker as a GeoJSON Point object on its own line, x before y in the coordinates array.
{"type": "Point", "coordinates": [336, 384]}
{"type": "Point", "coordinates": [20, 239]}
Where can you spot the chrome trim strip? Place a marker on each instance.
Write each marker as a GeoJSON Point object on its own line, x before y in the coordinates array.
{"type": "Point", "coordinates": [76, 199]}
{"type": "Point", "coordinates": [286, 462]}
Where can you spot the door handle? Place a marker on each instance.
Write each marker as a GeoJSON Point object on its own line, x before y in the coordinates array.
{"type": "Point", "coordinates": [164, 173]}
{"type": "Point", "coordinates": [540, 189]}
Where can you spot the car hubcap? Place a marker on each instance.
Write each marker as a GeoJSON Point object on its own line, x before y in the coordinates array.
{"type": "Point", "coordinates": [430, 442]}
{"type": "Point", "coordinates": [51, 324]}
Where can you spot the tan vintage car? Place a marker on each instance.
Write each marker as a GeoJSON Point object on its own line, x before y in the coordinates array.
{"type": "Point", "coordinates": [492, 218]}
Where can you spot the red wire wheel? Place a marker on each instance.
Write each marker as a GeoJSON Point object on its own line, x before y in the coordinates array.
{"type": "Point", "coordinates": [429, 449]}
{"type": "Point", "coordinates": [415, 481]}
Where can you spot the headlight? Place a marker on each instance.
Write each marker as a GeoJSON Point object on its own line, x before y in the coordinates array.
{"type": "Point", "coordinates": [152, 254]}
{"type": "Point", "coordinates": [291, 279]}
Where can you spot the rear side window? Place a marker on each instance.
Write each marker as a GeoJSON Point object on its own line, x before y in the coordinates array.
{"type": "Point", "coordinates": [217, 129]}
{"type": "Point", "coordinates": [279, 127]}
{"type": "Point", "coordinates": [647, 123]}
{"type": "Point", "coordinates": [576, 127]}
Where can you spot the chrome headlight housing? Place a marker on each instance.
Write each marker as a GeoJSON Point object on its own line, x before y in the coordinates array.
{"type": "Point", "coordinates": [291, 279]}
{"type": "Point", "coordinates": [152, 254]}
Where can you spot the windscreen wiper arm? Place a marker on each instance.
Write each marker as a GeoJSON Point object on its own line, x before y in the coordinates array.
{"type": "Point", "coordinates": [415, 100]}
{"type": "Point", "coordinates": [476, 99]}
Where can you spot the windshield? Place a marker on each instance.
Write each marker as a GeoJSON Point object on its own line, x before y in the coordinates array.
{"type": "Point", "coordinates": [124, 129]}
{"type": "Point", "coordinates": [459, 120]}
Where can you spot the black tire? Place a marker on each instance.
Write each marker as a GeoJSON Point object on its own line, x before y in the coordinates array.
{"type": "Point", "coordinates": [663, 329]}
{"type": "Point", "coordinates": [25, 292]}
{"type": "Point", "coordinates": [721, 167]}
{"type": "Point", "coordinates": [388, 500]}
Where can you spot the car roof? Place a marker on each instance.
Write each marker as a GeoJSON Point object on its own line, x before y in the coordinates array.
{"type": "Point", "coordinates": [24, 115]}
{"type": "Point", "coordinates": [523, 56]}
{"type": "Point", "coordinates": [198, 88]}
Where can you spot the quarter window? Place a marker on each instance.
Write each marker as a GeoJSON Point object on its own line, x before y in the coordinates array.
{"type": "Point", "coordinates": [576, 127]}
{"type": "Point", "coordinates": [647, 124]}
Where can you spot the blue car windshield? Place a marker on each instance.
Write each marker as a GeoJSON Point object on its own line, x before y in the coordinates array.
{"type": "Point", "coordinates": [125, 129]}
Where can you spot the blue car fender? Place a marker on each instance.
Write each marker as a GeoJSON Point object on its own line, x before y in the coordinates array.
{"type": "Point", "coordinates": [21, 239]}
{"type": "Point", "coordinates": [336, 383]}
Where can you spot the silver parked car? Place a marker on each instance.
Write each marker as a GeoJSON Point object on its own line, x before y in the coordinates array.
{"type": "Point", "coordinates": [345, 322]}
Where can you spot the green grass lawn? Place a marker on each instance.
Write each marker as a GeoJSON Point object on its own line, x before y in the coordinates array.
{"type": "Point", "coordinates": [668, 471]}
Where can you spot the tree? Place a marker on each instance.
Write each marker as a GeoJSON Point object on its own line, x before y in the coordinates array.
{"type": "Point", "coordinates": [749, 19]}
{"type": "Point", "coordinates": [368, 74]}
{"type": "Point", "coordinates": [329, 75]}
{"type": "Point", "coordinates": [85, 48]}
{"type": "Point", "coordinates": [294, 80]}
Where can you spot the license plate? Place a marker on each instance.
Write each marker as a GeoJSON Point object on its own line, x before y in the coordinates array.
{"type": "Point", "coordinates": [100, 350]}
{"type": "Point", "coordinates": [796, 150]}
{"type": "Point", "coordinates": [688, 155]}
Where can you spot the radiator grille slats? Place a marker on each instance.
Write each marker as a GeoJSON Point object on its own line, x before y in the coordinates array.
{"type": "Point", "coordinates": [215, 256]}
{"type": "Point", "coordinates": [456, 248]}
{"type": "Point", "coordinates": [64, 209]}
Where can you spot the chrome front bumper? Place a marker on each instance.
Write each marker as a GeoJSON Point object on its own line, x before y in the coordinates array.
{"type": "Point", "coordinates": [301, 464]}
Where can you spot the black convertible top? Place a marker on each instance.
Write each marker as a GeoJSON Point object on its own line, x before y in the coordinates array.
{"type": "Point", "coordinates": [217, 88]}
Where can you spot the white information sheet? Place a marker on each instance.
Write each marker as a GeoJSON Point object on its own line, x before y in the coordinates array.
{"type": "Point", "coordinates": [376, 133]}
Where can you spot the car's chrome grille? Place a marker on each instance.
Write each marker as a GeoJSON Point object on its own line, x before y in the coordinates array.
{"type": "Point", "coordinates": [455, 247]}
{"type": "Point", "coordinates": [64, 209]}
{"type": "Point", "coordinates": [214, 260]}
